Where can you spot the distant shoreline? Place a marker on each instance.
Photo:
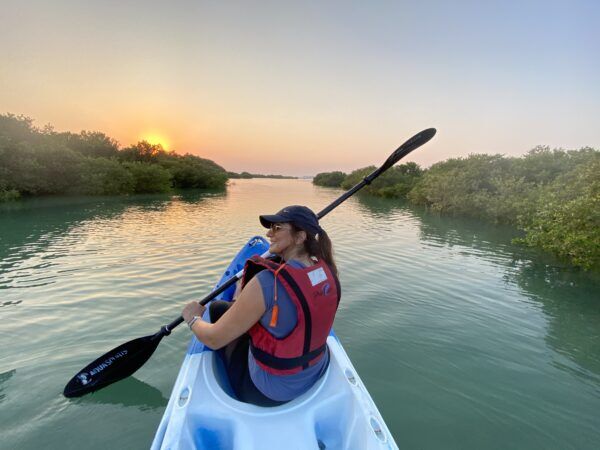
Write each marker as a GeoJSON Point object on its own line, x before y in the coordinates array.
{"type": "Point", "coordinates": [247, 175]}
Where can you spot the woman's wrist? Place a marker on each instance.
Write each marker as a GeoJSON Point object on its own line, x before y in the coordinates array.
{"type": "Point", "coordinates": [191, 310]}
{"type": "Point", "coordinates": [192, 321]}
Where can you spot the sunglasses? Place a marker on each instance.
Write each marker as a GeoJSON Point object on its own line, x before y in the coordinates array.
{"type": "Point", "coordinates": [275, 227]}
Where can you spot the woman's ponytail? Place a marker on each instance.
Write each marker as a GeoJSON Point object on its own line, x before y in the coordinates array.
{"type": "Point", "coordinates": [326, 250]}
{"type": "Point", "coordinates": [321, 247]}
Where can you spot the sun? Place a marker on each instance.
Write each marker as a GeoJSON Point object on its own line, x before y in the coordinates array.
{"type": "Point", "coordinates": [156, 139]}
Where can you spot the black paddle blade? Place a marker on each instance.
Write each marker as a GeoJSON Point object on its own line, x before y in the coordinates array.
{"type": "Point", "coordinates": [413, 143]}
{"type": "Point", "coordinates": [113, 366]}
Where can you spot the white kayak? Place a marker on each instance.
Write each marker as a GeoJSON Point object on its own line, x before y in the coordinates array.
{"type": "Point", "coordinates": [336, 413]}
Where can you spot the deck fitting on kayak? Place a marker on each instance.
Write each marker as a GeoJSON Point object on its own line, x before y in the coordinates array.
{"type": "Point", "coordinates": [184, 396]}
{"type": "Point", "coordinates": [350, 376]}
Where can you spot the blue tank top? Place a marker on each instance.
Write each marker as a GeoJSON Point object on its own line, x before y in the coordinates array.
{"type": "Point", "coordinates": [282, 387]}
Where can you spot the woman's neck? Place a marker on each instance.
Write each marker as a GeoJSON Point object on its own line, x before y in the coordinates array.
{"type": "Point", "coordinates": [300, 256]}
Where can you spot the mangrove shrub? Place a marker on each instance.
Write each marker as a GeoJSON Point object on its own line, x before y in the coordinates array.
{"type": "Point", "coordinates": [329, 179]}
{"type": "Point", "coordinates": [36, 161]}
{"type": "Point", "coordinates": [553, 195]}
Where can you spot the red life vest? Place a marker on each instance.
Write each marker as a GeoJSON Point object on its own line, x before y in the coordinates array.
{"type": "Point", "coordinates": [315, 291]}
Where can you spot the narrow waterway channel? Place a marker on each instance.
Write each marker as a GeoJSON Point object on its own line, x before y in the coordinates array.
{"type": "Point", "coordinates": [464, 340]}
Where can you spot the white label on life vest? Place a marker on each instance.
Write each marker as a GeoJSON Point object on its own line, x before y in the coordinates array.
{"type": "Point", "coordinates": [316, 276]}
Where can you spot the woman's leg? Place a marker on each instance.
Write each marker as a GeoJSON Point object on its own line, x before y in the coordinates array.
{"type": "Point", "coordinates": [217, 308]}
{"type": "Point", "coordinates": [235, 357]}
{"type": "Point", "coordinates": [239, 376]}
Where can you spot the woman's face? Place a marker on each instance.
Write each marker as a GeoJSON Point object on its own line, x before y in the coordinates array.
{"type": "Point", "coordinates": [281, 237]}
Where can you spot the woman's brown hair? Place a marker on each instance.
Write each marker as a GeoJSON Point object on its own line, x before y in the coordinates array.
{"type": "Point", "coordinates": [319, 246]}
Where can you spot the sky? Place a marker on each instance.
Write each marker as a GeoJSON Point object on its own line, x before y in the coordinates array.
{"type": "Point", "coordinates": [299, 88]}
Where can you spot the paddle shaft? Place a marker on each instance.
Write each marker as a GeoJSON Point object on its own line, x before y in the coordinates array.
{"type": "Point", "coordinates": [168, 328]}
{"type": "Point", "coordinates": [410, 145]}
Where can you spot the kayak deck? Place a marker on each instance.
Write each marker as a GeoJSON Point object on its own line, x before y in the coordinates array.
{"type": "Point", "coordinates": [336, 413]}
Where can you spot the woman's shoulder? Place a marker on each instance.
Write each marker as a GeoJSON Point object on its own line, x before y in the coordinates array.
{"type": "Point", "coordinates": [265, 277]}
{"type": "Point", "coordinates": [296, 264]}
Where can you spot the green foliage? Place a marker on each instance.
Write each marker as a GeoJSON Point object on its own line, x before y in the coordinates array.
{"type": "Point", "coordinates": [56, 169]}
{"type": "Point", "coordinates": [566, 221]}
{"type": "Point", "coordinates": [18, 128]}
{"type": "Point", "coordinates": [37, 161]}
{"type": "Point", "coordinates": [542, 165]}
{"type": "Point", "coordinates": [553, 195]}
{"type": "Point", "coordinates": [148, 178]}
{"type": "Point", "coordinates": [143, 151]}
{"type": "Point", "coordinates": [190, 171]}
{"type": "Point", "coordinates": [38, 168]}
{"type": "Point", "coordinates": [470, 186]}
{"type": "Point", "coordinates": [396, 182]}
{"type": "Point", "coordinates": [9, 194]}
{"type": "Point", "coordinates": [329, 179]}
{"type": "Point", "coordinates": [245, 175]}
{"type": "Point", "coordinates": [101, 176]}
{"type": "Point", "coordinates": [356, 176]}
{"type": "Point", "coordinates": [89, 143]}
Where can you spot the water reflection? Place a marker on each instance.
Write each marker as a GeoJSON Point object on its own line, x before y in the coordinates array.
{"type": "Point", "coordinates": [487, 239]}
{"type": "Point", "coordinates": [196, 195]}
{"type": "Point", "coordinates": [10, 303]}
{"type": "Point", "coordinates": [380, 207]}
{"type": "Point", "coordinates": [568, 296]}
{"type": "Point", "coordinates": [4, 377]}
{"type": "Point", "coordinates": [29, 226]}
{"type": "Point", "coordinates": [128, 392]}
{"type": "Point", "coordinates": [467, 342]}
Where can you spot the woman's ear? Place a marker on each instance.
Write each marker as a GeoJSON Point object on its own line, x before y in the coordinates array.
{"type": "Point", "coordinates": [300, 237]}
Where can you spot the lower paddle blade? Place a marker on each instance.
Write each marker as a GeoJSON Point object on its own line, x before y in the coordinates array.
{"type": "Point", "coordinates": [113, 366]}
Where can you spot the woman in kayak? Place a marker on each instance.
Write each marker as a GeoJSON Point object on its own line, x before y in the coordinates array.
{"type": "Point", "coordinates": [273, 337]}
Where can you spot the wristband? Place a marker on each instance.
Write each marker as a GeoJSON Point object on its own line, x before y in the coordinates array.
{"type": "Point", "coordinates": [191, 322]}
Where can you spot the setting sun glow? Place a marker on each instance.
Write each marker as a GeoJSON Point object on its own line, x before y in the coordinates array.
{"type": "Point", "coordinates": [155, 139]}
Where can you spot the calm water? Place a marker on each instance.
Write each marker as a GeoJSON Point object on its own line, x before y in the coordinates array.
{"type": "Point", "coordinates": [464, 340]}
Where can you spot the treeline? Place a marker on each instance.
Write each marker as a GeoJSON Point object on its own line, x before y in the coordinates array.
{"type": "Point", "coordinates": [36, 161]}
{"type": "Point", "coordinates": [248, 175]}
{"type": "Point", "coordinates": [552, 195]}
{"type": "Point", "coordinates": [396, 182]}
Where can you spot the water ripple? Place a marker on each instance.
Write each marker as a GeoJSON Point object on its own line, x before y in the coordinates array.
{"type": "Point", "coordinates": [448, 323]}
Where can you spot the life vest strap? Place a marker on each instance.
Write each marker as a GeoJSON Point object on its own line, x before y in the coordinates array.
{"type": "Point", "coordinates": [285, 363]}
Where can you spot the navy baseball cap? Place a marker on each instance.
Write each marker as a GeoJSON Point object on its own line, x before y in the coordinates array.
{"type": "Point", "coordinates": [301, 216]}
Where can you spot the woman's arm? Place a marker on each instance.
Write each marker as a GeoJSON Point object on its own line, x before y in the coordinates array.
{"type": "Point", "coordinates": [243, 313]}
